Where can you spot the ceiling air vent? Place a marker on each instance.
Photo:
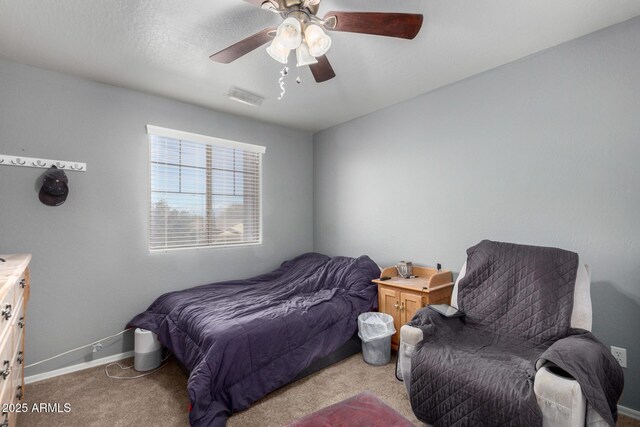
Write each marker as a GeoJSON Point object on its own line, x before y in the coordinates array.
{"type": "Point", "coordinates": [245, 97]}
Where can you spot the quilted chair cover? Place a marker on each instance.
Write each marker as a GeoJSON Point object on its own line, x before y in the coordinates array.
{"type": "Point", "coordinates": [480, 370]}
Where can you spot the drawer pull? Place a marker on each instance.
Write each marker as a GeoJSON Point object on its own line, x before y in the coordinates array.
{"type": "Point", "coordinates": [20, 358]}
{"type": "Point", "coordinates": [19, 393]}
{"type": "Point", "coordinates": [21, 322]}
{"type": "Point", "coordinates": [6, 313]}
{"type": "Point", "coordinates": [7, 370]}
{"type": "Point", "coordinates": [23, 283]}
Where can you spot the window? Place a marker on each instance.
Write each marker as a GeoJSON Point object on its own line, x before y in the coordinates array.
{"type": "Point", "coordinates": [204, 192]}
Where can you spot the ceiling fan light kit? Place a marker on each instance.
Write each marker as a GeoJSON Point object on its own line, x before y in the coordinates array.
{"type": "Point", "coordinates": [303, 57]}
{"type": "Point", "coordinates": [289, 36]}
{"type": "Point", "coordinates": [318, 42]}
{"type": "Point", "coordinates": [303, 31]}
{"type": "Point", "coordinates": [278, 51]}
{"type": "Point", "coordinates": [289, 33]}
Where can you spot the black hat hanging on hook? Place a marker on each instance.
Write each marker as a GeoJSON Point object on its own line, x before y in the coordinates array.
{"type": "Point", "coordinates": [54, 189]}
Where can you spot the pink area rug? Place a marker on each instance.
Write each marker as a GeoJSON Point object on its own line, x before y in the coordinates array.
{"type": "Point", "coordinates": [362, 410]}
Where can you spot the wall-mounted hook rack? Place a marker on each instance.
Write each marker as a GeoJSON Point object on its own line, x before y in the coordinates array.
{"type": "Point", "coordinates": [32, 162]}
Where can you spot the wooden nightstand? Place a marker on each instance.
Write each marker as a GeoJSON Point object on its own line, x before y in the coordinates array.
{"type": "Point", "coordinates": [401, 297]}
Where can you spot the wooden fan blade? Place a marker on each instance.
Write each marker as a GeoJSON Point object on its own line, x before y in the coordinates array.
{"type": "Point", "coordinates": [243, 47]}
{"type": "Point", "coordinates": [322, 71]}
{"type": "Point", "coordinates": [401, 25]}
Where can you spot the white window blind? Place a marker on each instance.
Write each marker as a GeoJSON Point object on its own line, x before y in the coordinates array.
{"type": "Point", "coordinates": [204, 192]}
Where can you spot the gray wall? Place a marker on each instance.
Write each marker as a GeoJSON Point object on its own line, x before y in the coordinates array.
{"type": "Point", "coordinates": [91, 269]}
{"type": "Point", "coordinates": [542, 151]}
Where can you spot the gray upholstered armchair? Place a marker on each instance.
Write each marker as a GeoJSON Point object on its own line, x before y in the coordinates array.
{"type": "Point", "coordinates": [559, 396]}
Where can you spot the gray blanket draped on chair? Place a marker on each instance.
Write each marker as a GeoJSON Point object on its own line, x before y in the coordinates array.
{"type": "Point", "coordinates": [479, 369]}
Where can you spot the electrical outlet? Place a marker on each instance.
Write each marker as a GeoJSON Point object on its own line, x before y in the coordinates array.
{"type": "Point", "coordinates": [97, 347]}
{"type": "Point", "coordinates": [620, 354]}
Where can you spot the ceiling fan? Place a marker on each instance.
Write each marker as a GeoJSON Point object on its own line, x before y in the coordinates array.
{"type": "Point", "coordinates": [302, 31]}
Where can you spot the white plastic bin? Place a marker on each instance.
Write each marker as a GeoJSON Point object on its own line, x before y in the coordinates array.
{"type": "Point", "coordinates": [375, 331]}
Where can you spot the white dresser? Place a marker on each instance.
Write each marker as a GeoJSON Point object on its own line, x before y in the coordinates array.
{"type": "Point", "coordinates": [14, 294]}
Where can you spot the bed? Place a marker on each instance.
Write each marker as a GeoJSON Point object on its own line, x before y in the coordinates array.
{"type": "Point", "coordinates": [242, 339]}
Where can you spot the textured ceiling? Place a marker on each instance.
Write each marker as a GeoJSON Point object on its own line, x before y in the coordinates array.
{"type": "Point", "coordinates": [162, 47]}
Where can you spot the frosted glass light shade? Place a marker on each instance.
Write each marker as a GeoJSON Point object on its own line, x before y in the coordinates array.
{"type": "Point", "coordinates": [277, 51]}
{"type": "Point", "coordinates": [289, 33]}
{"type": "Point", "coordinates": [304, 57]}
{"type": "Point", "coordinates": [318, 42]}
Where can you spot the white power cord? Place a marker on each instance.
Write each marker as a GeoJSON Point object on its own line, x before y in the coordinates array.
{"type": "Point", "coordinates": [78, 348]}
{"type": "Point", "coordinates": [98, 344]}
{"type": "Point", "coordinates": [124, 368]}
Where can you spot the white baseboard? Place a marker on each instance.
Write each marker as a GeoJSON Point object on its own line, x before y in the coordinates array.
{"type": "Point", "coordinates": [631, 413]}
{"type": "Point", "coordinates": [79, 367]}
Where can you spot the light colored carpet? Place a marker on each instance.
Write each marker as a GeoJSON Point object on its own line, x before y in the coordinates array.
{"type": "Point", "coordinates": [324, 388]}
{"type": "Point", "coordinates": [161, 398]}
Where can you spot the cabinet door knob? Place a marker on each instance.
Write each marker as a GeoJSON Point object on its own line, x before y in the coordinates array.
{"type": "Point", "coordinates": [396, 305]}
{"type": "Point", "coordinates": [6, 313]}
{"type": "Point", "coordinates": [7, 370]}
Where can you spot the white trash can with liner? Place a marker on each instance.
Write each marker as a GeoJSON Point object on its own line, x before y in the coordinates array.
{"type": "Point", "coordinates": [375, 331]}
{"type": "Point", "coordinates": [147, 353]}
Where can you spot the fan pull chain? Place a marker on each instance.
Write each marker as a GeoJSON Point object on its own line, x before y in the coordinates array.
{"type": "Point", "coordinates": [283, 73]}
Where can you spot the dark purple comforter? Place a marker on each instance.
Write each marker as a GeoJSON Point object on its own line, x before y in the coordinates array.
{"type": "Point", "coordinates": [245, 338]}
